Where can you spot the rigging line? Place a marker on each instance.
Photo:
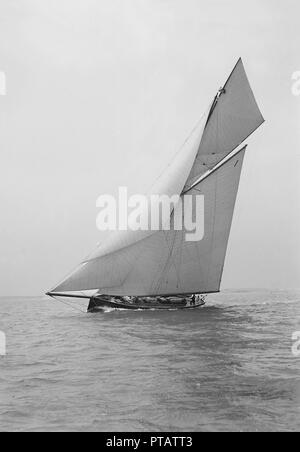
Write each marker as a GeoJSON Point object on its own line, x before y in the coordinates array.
{"type": "Point", "coordinates": [167, 264]}
{"type": "Point", "coordinates": [180, 252]}
{"type": "Point", "coordinates": [157, 279]}
{"type": "Point", "coordinates": [198, 245]}
{"type": "Point", "coordinates": [69, 305]}
{"type": "Point", "coordinates": [160, 278]}
{"type": "Point", "coordinates": [171, 261]}
{"type": "Point", "coordinates": [214, 225]}
{"type": "Point", "coordinates": [173, 258]}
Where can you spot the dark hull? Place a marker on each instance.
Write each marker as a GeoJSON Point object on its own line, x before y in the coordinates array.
{"type": "Point", "coordinates": [99, 304]}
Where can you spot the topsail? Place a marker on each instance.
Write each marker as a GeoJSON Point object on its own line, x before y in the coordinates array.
{"type": "Point", "coordinates": [233, 118]}
{"type": "Point", "coordinates": [150, 263]}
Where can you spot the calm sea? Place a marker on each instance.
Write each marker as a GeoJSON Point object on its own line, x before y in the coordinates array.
{"type": "Point", "coordinates": [226, 367]}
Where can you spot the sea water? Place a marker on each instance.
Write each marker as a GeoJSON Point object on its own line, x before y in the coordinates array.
{"type": "Point", "coordinates": [230, 366]}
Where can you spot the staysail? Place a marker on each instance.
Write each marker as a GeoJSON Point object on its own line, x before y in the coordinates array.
{"type": "Point", "coordinates": [143, 263]}
{"type": "Point", "coordinates": [170, 183]}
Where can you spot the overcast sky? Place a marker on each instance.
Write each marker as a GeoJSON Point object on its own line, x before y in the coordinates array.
{"type": "Point", "coordinates": [101, 93]}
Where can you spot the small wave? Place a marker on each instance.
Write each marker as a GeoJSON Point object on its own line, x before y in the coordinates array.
{"type": "Point", "coordinates": [38, 380]}
{"type": "Point", "coordinates": [14, 414]}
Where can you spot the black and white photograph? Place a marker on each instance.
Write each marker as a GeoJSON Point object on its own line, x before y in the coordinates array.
{"type": "Point", "coordinates": [150, 227]}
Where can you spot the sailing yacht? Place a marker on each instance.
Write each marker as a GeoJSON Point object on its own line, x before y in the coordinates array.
{"type": "Point", "coordinates": [160, 269]}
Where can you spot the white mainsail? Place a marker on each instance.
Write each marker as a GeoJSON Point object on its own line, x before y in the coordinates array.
{"type": "Point", "coordinates": [164, 263]}
{"type": "Point", "coordinates": [143, 263]}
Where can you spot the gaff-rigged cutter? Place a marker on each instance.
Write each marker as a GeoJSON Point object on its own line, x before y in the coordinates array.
{"type": "Point", "coordinates": [160, 269]}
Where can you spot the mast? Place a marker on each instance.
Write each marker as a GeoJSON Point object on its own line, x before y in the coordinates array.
{"type": "Point", "coordinates": [215, 103]}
